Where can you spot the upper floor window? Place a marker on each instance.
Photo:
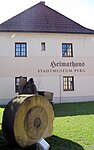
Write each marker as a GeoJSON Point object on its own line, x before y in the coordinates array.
{"type": "Point", "coordinates": [67, 50]}
{"type": "Point", "coordinates": [20, 49]}
{"type": "Point", "coordinates": [68, 83]}
{"type": "Point", "coordinates": [43, 47]}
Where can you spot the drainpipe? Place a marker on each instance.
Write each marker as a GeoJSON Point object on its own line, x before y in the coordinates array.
{"type": "Point", "coordinates": [60, 86]}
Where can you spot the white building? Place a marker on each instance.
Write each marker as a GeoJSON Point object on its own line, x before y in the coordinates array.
{"type": "Point", "coordinates": [56, 51]}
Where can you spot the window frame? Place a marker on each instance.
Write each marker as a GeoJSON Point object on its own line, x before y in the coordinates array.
{"type": "Point", "coordinates": [16, 86]}
{"type": "Point", "coordinates": [20, 51]}
{"type": "Point", "coordinates": [71, 52]}
{"type": "Point", "coordinates": [68, 83]}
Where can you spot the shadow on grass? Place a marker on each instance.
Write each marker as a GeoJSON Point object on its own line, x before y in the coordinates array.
{"type": "Point", "coordinates": [56, 143]}
{"type": "Point", "coordinates": [73, 109]}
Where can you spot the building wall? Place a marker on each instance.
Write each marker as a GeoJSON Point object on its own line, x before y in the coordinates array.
{"type": "Point", "coordinates": [83, 46]}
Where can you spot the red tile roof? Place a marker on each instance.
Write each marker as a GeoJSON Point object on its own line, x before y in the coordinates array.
{"type": "Point", "coordinates": [41, 18]}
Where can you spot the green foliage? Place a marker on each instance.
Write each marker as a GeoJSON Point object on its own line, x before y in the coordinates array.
{"type": "Point", "coordinates": [73, 128]}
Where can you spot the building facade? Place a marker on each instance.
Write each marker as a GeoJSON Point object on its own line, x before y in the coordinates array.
{"type": "Point", "coordinates": [56, 51]}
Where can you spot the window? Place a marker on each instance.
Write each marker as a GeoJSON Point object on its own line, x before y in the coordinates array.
{"type": "Point", "coordinates": [20, 49]}
{"type": "Point", "coordinates": [17, 81]}
{"type": "Point", "coordinates": [43, 48]}
{"type": "Point", "coordinates": [68, 83]}
{"type": "Point", "coordinates": [67, 50]}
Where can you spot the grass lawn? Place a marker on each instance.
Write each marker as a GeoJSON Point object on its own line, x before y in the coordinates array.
{"type": "Point", "coordinates": [73, 128]}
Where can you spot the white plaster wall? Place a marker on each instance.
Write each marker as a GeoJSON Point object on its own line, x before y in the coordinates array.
{"type": "Point", "coordinates": [83, 46]}
{"type": "Point", "coordinates": [50, 84]}
{"type": "Point", "coordinates": [83, 88]}
{"type": "Point", "coordinates": [7, 88]}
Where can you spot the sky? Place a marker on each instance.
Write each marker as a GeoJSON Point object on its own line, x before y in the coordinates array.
{"type": "Point", "coordinates": [81, 11]}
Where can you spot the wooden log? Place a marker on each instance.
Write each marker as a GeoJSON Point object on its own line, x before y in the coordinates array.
{"type": "Point", "coordinates": [26, 119]}
{"type": "Point", "coordinates": [47, 95]}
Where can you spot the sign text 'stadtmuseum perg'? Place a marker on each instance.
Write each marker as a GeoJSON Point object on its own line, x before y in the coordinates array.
{"type": "Point", "coordinates": [46, 66]}
{"type": "Point", "coordinates": [64, 67]}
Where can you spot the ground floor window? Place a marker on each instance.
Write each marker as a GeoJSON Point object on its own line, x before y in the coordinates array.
{"type": "Point", "coordinates": [68, 83]}
{"type": "Point", "coordinates": [17, 81]}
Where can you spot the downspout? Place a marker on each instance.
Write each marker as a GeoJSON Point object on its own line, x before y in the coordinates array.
{"type": "Point", "coordinates": [60, 86]}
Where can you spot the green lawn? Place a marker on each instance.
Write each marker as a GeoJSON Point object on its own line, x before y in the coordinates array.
{"type": "Point", "coordinates": [73, 128]}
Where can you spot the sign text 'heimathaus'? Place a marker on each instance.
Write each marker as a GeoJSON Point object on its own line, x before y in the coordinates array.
{"type": "Point", "coordinates": [46, 66]}
{"type": "Point", "coordinates": [64, 67]}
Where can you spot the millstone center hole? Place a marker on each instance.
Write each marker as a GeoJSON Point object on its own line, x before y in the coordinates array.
{"type": "Point", "coordinates": [37, 122]}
